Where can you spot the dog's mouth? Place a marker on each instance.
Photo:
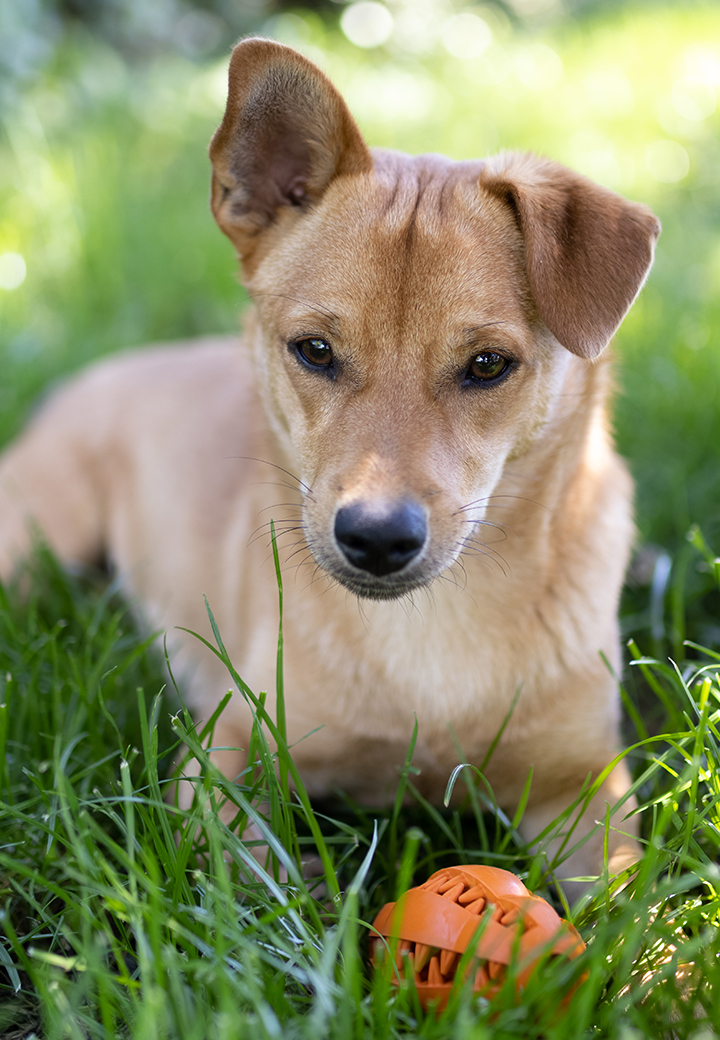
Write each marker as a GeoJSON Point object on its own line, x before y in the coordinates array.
{"type": "Point", "coordinates": [375, 587]}
{"type": "Point", "coordinates": [379, 589]}
{"type": "Point", "coordinates": [379, 548]}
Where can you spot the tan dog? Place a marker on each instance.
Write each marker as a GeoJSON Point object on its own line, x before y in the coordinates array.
{"type": "Point", "coordinates": [421, 358]}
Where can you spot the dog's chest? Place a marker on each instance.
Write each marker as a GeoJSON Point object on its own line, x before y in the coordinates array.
{"type": "Point", "coordinates": [370, 670]}
{"type": "Point", "coordinates": [368, 695]}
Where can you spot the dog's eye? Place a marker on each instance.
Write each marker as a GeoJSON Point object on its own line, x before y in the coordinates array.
{"type": "Point", "coordinates": [487, 367]}
{"type": "Point", "coordinates": [314, 352]}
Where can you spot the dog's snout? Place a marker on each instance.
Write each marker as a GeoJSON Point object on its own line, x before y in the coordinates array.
{"type": "Point", "coordinates": [381, 537]}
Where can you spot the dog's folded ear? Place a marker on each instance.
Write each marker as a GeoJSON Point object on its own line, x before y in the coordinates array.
{"type": "Point", "coordinates": [286, 134]}
{"type": "Point", "coordinates": [588, 251]}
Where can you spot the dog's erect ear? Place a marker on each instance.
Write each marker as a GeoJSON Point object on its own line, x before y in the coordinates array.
{"type": "Point", "coordinates": [286, 134]}
{"type": "Point", "coordinates": [588, 251]}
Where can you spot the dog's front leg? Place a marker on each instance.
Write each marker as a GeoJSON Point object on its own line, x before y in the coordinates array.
{"type": "Point", "coordinates": [227, 751]}
{"type": "Point", "coordinates": [588, 861]}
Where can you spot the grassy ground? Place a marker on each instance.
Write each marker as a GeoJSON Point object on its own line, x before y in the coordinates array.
{"type": "Point", "coordinates": [110, 928]}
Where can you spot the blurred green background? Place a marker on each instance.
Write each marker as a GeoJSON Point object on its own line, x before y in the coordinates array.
{"type": "Point", "coordinates": [106, 239]}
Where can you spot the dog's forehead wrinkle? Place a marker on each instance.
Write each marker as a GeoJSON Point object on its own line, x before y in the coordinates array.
{"type": "Point", "coordinates": [303, 302]}
{"type": "Point", "coordinates": [425, 280]}
{"type": "Point", "coordinates": [419, 187]}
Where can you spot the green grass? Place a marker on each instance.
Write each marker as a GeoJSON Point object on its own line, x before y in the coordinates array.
{"type": "Point", "coordinates": [121, 916]}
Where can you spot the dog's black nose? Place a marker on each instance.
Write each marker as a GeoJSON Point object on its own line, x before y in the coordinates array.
{"type": "Point", "coordinates": [381, 537]}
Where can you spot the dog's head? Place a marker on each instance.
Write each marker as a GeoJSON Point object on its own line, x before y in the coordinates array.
{"type": "Point", "coordinates": [417, 315]}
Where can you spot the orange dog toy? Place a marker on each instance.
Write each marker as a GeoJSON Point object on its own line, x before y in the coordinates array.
{"type": "Point", "coordinates": [435, 923]}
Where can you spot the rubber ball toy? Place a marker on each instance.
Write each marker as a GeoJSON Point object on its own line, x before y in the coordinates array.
{"type": "Point", "coordinates": [435, 923]}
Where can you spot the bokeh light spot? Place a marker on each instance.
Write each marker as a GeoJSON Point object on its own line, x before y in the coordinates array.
{"type": "Point", "coordinates": [367, 24]}
{"type": "Point", "coordinates": [390, 93]}
{"type": "Point", "coordinates": [12, 271]}
{"type": "Point", "coordinates": [667, 161]}
{"type": "Point", "coordinates": [703, 62]}
{"type": "Point", "coordinates": [538, 66]}
{"type": "Point", "coordinates": [694, 99]}
{"type": "Point", "coordinates": [609, 91]}
{"type": "Point", "coordinates": [466, 36]}
{"type": "Point", "coordinates": [417, 25]}
{"type": "Point", "coordinates": [694, 334]}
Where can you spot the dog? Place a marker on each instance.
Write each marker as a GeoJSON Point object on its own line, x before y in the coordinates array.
{"type": "Point", "coordinates": [422, 367]}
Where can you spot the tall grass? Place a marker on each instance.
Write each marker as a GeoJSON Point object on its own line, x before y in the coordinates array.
{"type": "Point", "coordinates": [124, 916]}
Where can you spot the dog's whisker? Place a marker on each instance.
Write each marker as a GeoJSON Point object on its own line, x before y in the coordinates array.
{"type": "Point", "coordinates": [490, 503]}
{"type": "Point", "coordinates": [280, 484]}
{"type": "Point", "coordinates": [280, 523]}
{"type": "Point", "coordinates": [283, 505]}
{"type": "Point", "coordinates": [460, 563]}
{"type": "Point", "coordinates": [479, 549]}
{"type": "Point", "coordinates": [474, 544]}
{"type": "Point", "coordinates": [266, 462]}
{"type": "Point", "coordinates": [265, 531]}
{"type": "Point", "coordinates": [483, 560]}
{"type": "Point", "coordinates": [360, 606]}
{"type": "Point", "coordinates": [450, 578]}
{"type": "Point", "coordinates": [292, 516]}
{"type": "Point", "coordinates": [305, 558]}
{"type": "Point", "coordinates": [486, 560]}
{"type": "Point", "coordinates": [299, 566]}
{"type": "Point", "coordinates": [301, 546]}
{"type": "Point", "coordinates": [290, 551]}
{"type": "Point", "coordinates": [471, 551]}
{"type": "Point", "coordinates": [502, 528]}
{"type": "Point", "coordinates": [285, 551]}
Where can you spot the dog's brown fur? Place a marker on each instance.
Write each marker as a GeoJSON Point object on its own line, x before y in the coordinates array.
{"type": "Point", "coordinates": [171, 460]}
